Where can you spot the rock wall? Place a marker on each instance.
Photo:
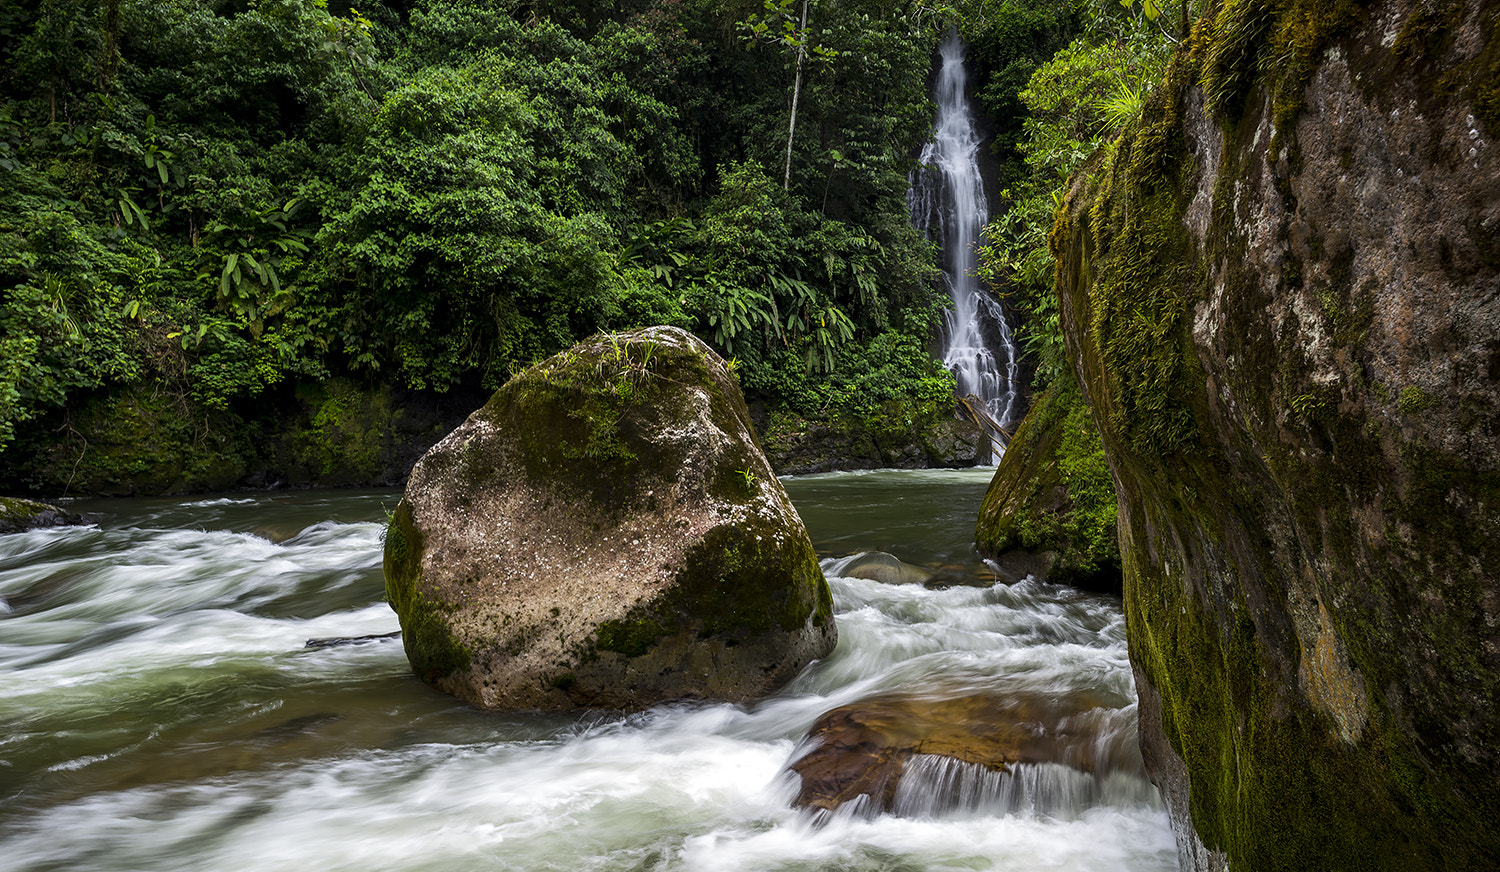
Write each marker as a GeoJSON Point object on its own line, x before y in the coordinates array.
{"type": "Point", "coordinates": [149, 440]}
{"type": "Point", "coordinates": [899, 437]}
{"type": "Point", "coordinates": [1281, 289]}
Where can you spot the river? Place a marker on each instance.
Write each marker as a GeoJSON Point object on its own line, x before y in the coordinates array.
{"type": "Point", "coordinates": [159, 710]}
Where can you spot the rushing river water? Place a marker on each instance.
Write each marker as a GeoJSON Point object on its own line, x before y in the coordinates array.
{"type": "Point", "coordinates": [160, 711]}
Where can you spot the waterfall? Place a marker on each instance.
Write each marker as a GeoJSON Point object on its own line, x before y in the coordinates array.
{"type": "Point", "coordinates": [947, 195]}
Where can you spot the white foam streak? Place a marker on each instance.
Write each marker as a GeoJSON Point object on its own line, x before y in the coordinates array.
{"type": "Point", "coordinates": [165, 715]}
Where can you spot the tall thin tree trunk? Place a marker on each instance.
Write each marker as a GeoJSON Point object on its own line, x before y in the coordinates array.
{"type": "Point", "coordinates": [791, 128]}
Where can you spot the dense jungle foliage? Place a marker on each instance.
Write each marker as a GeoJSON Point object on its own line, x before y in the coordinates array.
{"type": "Point", "coordinates": [220, 199]}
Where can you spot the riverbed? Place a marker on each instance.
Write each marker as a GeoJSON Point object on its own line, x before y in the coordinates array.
{"type": "Point", "coordinates": [161, 710]}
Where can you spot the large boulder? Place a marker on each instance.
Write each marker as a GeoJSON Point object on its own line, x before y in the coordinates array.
{"type": "Point", "coordinates": [605, 532]}
{"type": "Point", "coordinates": [1281, 294]}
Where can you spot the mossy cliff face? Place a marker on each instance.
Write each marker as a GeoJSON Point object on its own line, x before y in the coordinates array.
{"type": "Point", "coordinates": [148, 440]}
{"type": "Point", "coordinates": [605, 532]}
{"type": "Point", "coordinates": [1050, 509]}
{"type": "Point", "coordinates": [1281, 291]}
{"type": "Point", "coordinates": [902, 435]}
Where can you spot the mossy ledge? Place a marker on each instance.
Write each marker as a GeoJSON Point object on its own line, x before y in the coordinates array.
{"type": "Point", "coordinates": [605, 532]}
{"type": "Point", "coordinates": [1278, 291]}
{"type": "Point", "coordinates": [1050, 508]}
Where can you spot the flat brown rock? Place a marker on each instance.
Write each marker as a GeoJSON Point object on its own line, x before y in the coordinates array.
{"type": "Point", "coordinates": [863, 748]}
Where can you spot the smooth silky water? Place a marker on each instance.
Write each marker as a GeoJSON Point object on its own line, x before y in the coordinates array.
{"type": "Point", "coordinates": [160, 711]}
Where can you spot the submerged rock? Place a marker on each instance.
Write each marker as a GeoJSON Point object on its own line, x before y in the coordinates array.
{"type": "Point", "coordinates": [18, 515]}
{"type": "Point", "coordinates": [341, 641]}
{"type": "Point", "coordinates": [882, 567]}
{"type": "Point", "coordinates": [1049, 512]}
{"type": "Point", "coordinates": [862, 751]}
{"type": "Point", "coordinates": [1281, 293]}
{"type": "Point", "coordinates": [605, 532]}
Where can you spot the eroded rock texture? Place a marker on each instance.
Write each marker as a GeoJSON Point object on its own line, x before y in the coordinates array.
{"type": "Point", "coordinates": [606, 532]}
{"type": "Point", "coordinates": [1282, 294]}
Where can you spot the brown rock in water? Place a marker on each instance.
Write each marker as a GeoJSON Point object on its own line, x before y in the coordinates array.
{"type": "Point", "coordinates": [605, 532]}
{"type": "Point", "coordinates": [862, 749]}
{"type": "Point", "coordinates": [882, 567]}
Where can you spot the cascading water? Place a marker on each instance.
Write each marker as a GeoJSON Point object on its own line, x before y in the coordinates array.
{"type": "Point", "coordinates": [162, 711]}
{"type": "Point", "coordinates": [947, 196]}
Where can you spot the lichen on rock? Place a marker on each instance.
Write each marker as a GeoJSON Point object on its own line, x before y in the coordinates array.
{"type": "Point", "coordinates": [605, 532]}
{"type": "Point", "coordinates": [1279, 291]}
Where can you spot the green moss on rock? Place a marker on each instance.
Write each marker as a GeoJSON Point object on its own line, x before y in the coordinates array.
{"type": "Point", "coordinates": [343, 435]}
{"type": "Point", "coordinates": [607, 516]}
{"type": "Point", "coordinates": [629, 637]}
{"type": "Point", "coordinates": [18, 515]}
{"type": "Point", "coordinates": [145, 440]}
{"type": "Point", "coordinates": [1307, 538]}
{"type": "Point", "coordinates": [430, 646]}
{"type": "Point", "coordinates": [1052, 493]}
{"type": "Point", "coordinates": [899, 435]}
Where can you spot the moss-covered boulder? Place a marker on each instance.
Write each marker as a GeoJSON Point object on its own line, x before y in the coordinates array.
{"type": "Point", "coordinates": [18, 515]}
{"type": "Point", "coordinates": [1279, 289]}
{"type": "Point", "coordinates": [1050, 510]}
{"type": "Point", "coordinates": [605, 532]}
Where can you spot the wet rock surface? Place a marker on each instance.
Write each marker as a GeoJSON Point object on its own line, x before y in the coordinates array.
{"type": "Point", "coordinates": [605, 532]}
{"type": "Point", "coordinates": [18, 515]}
{"type": "Point", "coordinates": [862, 751]}
{"type": "Point", "coordinates": [1050, 510]}
{"type": "Point", "coordinates": [882, 567]}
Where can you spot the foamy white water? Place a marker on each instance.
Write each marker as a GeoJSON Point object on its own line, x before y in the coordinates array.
{"type": "Point", "coordinates": [162, 713]}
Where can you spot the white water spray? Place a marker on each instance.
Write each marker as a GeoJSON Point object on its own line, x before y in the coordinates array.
{"type": "Point", "coordinates": [162, 711]}
{"type": "Point", "coordinates": [948, 194]}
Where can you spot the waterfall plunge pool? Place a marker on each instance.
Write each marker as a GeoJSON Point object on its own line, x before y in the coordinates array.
{"type": "Point", "coordinates": [161, 711]}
